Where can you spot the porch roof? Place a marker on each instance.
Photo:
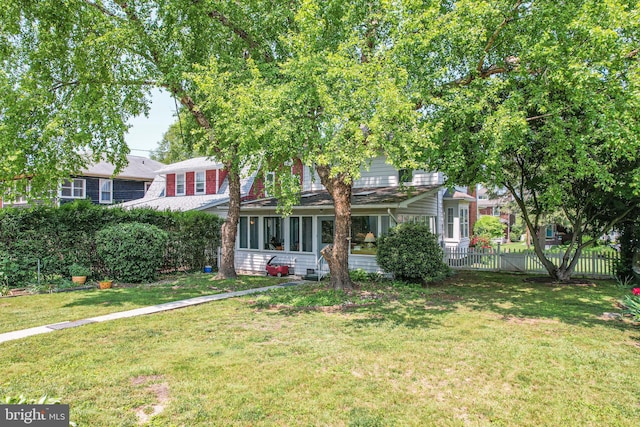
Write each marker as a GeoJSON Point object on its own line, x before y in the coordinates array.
{"type": "Point", "coordinates": [383, 197]}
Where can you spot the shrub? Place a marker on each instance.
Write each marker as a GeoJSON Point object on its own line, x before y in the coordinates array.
{"type": "Point", "coordinates": [359, 275]}
{"type": "Point", "coordinates": [489, 226]}
{"type": "Point", "coordinates": [49, 239]}
{"type": "Point", "coordinates": [131, 252]}
{"type": "Point", "coordinates": [480, 242]}
{"type": "Point", "coordinates": [79, 270]}
{"type": "Point", "coordinates": [517, 230]}
{"type": "Point", "coordinates": [411, 252]}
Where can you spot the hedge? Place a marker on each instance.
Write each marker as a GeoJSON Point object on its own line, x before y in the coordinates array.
{"type": "Point", "coordinates": [56, 237]}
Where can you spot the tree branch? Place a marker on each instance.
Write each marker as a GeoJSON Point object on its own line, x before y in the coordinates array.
{"type": "Point", "coordinates": [103, 9]}
{"type": "Point", "coordinates": [495, 34]}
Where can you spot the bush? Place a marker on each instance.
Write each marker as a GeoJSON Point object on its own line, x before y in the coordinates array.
{"type": "Point", "coordinates": [411, 252]}
{"type": "Point", "coordinates": [131, 252]}
{"type": "Point", "coordinates": [54, 238]}
{"type": "Point", "coordinates": [489, 226]}
{"type": "Point", "coordinates": [358, 275]}
{"type": "Point", "coordinates": [480, 242]}
{"type": "Point", "coordinates": [517, 230]}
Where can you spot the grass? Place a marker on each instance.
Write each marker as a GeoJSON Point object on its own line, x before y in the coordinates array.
{"type": "Point", "coordinates": [479, 349]}
{"type": "Point", "coordinates": [42, 309]}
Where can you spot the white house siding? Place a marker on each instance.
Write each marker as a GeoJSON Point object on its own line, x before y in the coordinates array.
{"type": "Point", "coordinates": [454, 241]}
{"type": "Point", "coordinates": [255, 262]}
{"type": "Point", "coordinates": [379, 174]}
{"type": "Point", "coordinates": [382, 174]}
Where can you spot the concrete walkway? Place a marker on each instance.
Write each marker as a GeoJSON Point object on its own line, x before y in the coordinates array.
{"type": "Point", "coordinates": [9, 336]}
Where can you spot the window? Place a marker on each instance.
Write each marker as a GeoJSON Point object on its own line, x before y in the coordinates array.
{"type": "Point", "coordinates": [550, 232]}
{"type": "Point", "coordinates": [364, 233]}
{"type": "Point", "coordinates": [200, 183]}
{"type": "Point", "coordinates": [273, 236]}
{"type": "Point", "coordinates": [73, 188]}
{"type": "Point", "coordinates": [248, 232]}
{"type": "Point", "coordinates": [464, 223]}
{"type": "Point", "coordinates": [300, 233]}
{"type": "Point", "coordinates": [146, 187]}
{"type": "Point", "coordinates": [496, 211]}
{"type": "Point", "coordinates": [180, 184]}
{"type": "Point", "coordinates": [106, 191]}
{"type": "Point", "coordinates": [405, 175]}
{"type": "Point", "coordinates": [450, 213]}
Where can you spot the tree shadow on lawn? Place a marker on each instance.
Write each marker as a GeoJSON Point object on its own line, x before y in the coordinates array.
{"type": "Point", "coordinates": [136, 296]}
{"type": "Point", "coordinates": [514, 298]}
{"type": "Point", "coordinates": [526, 298]}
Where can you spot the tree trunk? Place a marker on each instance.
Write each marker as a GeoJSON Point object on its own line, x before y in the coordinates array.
{"type": "Point", "coordinates": [227, 268]}
{"type": "Point", "coordinates": [337, 254]}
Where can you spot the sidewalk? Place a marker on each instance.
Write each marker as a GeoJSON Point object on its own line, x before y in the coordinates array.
{"type": "Point", "coordinates": [9, 336]}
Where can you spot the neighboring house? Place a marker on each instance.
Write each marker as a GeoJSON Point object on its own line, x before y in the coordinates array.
{"type": "Point", "coordinates": [498, 205]}
{"type": "Point", "coordinates": [194, 184]}
{"type": "Point", "coordinates": [382, 198]}
{"type": "Point", "coordinates": [98, 184]}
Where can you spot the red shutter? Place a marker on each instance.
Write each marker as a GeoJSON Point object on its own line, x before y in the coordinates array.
{"type": "Point", "coordinates": [170, 185]}
{"type": "Point", "coordinates": [212, 183]}
{"type": "Point", "coordinates": [190, 179]}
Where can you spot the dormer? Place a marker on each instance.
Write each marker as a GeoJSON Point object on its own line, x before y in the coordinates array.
{"type": "Point", "coordinates": [194, 177]}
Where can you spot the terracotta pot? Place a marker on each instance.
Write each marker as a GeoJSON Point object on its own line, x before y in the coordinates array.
{"type": "Point", "coordinates": [79, 279]}
{"type": "Point", "coordinates": [105, 284]}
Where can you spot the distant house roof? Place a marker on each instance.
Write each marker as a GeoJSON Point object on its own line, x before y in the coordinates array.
{"type": "Point", "coordinates": [198, 163]}
{"type": "Point", "coordinates": [139, 168]}
{"type": "Point", "coordinates": [155, 197]}
{"type": "Point", "coordinates": [458, 195]}
{"type": "Point", "coordinates": [383, 197]}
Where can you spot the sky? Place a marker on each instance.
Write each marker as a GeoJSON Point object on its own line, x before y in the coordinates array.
{"type": "Point", "coordinates": [146, 132]}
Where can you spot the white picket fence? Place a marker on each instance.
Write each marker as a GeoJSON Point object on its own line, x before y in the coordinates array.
{"type": "Point", "coordinates": [594, 265]}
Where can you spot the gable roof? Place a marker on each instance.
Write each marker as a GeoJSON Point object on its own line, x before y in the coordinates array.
{"type": "Point", "coordinates": [155, 197]}
{"type": "Point", "coordinates": [197, 163]}
{"type": "Point", "coordinates": [383, 197]}
{"type": "Point", "coordinates": [138, 168]}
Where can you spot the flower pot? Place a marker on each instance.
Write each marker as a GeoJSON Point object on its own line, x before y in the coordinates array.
{"type": "Point", "coordinates": [105, 284]}
{"type": "Point", "coordinates": [79, 279]}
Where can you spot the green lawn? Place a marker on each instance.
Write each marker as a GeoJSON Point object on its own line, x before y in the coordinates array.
{"type": "Point", "coordinates": [42, 309]}
{"type": "Point", "coordinates": [480, 349]}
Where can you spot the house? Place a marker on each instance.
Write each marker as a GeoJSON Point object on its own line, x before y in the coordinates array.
{"type": "Point", "coordinates": [194, 184]}
{"type": "Point", "coordinates": [383, 197]}
{"type": "Point", "coordinates": [98, 184]}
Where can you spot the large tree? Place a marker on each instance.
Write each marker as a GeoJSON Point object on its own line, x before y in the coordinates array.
{"type": "Point", "coordinates": [541, 98]}
{"type": "Point", "coordinates": [348, 101]}
{"type": "Point", "coordinates": [73, 72]}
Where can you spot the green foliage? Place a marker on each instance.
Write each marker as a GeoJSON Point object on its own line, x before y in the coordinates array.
{"type": "Point", "coordinates": [22, 400]}
{"type": "Point", "coordinates": [79, 270]}
{"type": "Point", "coordinates": [131, 252]}
{"type": "Point", "coordinates": [632, 302]}
{"type": "Point", "coordinates": [517, 230]}
{"type": "Point", "coordinates": [629, 248]}
{"type": "Point", "coordinates": [60, 237]}
{"type": "Point", "coordinates": [489, 226]}
{"type": "Point", "coordinates": [359, 275]}
{"type": "Point", "coordinates": [411, 252]}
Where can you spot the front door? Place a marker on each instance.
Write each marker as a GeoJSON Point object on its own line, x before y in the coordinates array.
{"type": "Point", "coordinates": [325, 231]}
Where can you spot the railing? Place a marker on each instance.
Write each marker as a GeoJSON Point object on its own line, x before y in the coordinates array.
{"type": "Point", "coordinates": [321, 271]}
{"type": "Point", "coordinates": [591, 264]}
